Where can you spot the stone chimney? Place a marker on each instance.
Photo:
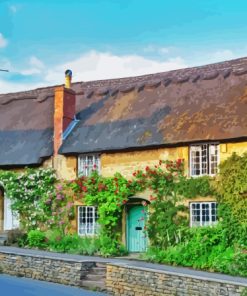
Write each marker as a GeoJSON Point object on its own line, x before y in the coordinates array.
{"type": "Point", "coordinates": [64, 110]}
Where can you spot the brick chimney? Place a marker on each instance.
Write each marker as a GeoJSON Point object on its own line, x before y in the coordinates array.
{"type": "Point", "coordinates": [64, 110]}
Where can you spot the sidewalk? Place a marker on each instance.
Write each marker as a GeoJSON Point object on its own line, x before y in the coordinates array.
{"type": "Point", "coordinates": [128, 263]}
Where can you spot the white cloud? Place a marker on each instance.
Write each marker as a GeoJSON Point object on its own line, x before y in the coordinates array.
{"type": "Point", "coordinates": [157, 49]}
{"type": "Point", "coordinates": [3, 41]}
{"type": "Point", "coordinates": [8, 87]}
{"type": "Point", "coordinates": [36, 66]}
{"type": "Point", "coordinates": [96, 65]}
{"type": "Point", "coordinates": [92, 65]}
{"type": "Point", "coordinates": [224, 54]}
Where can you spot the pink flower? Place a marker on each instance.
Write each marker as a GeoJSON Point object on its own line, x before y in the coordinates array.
{"type": "Point", "coordinates": [59, 187]}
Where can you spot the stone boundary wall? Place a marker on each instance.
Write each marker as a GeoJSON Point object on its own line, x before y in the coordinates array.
{"type": "Point", "coordinates": [135, 281]}
{"type": "Point", "coordinates": [58, 270]}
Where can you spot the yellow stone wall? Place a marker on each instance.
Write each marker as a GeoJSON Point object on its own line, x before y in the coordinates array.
{"type": "Point", "coordinates": [127, 162]}
{"type": "Point", "coordinates": [226, 150]}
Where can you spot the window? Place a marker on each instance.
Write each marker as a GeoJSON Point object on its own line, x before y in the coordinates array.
{"type": "Point", "coordinates": [87, 220]}
{"type": "Point", "coordinates": [204, 159]}
{"type": "Point", "coordinates": [203, 213]}
{"type": "Point", "coordinates": [87, 163]}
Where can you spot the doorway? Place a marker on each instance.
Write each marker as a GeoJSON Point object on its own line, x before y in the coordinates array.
{"type": "Point", "coordinates": [136, 236]}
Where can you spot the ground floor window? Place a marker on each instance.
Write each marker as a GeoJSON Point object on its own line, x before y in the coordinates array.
{"type": "Point", "coordinates": [87, 220]}
{"type": "Point", "coordinates": [203, 213]}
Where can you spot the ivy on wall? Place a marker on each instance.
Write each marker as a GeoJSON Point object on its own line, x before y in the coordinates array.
{"type": "Point", "coordinates": [231, 186]}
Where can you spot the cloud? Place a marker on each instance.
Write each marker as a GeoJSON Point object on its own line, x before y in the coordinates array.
{"type": "Point", "coordinates": [157, 49]}
{"type": "Point", "coordinates": [92, 65]}
{"type": "Point", "coordinates": [97, 65]}
{"type": "Point", "coordinates": [36, 66]}
{"type": "Point", "coordinates": [224, 54]}
{"type": "Point", "coordinates": [9, 87]}
{"type": "Point", "coordinates": [3, 41]}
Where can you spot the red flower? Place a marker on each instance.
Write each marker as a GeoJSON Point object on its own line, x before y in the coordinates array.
{"type": "Point", "coordinates": [84, 188]}
{"type": "Point", "coordinates": [147, 168]}
{"type": "Point", "coordinates": [94, 166]}
{"type": "Point", "coordinates": [134, 174]}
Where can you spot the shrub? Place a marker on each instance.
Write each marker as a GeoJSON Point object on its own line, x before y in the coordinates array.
{"type": "Point", "coordinates": [36, 238]}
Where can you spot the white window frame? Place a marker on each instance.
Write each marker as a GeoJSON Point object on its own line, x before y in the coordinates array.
{"type": "Point", "coordinates": [90, 229]}
{"type": "Point", "coordinates": [209, 148]}
{"type": "Point", "coordinates": [201, 222]}
{"type": "Point", "coordinates": [83, 161]}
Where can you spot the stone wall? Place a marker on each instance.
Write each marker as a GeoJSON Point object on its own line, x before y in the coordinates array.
{"type": "Point", "coordinates": [58, 270]}
{"type": "Point", "coordinates": [136, 281]}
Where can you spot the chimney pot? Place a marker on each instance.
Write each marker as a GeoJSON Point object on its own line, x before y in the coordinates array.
{"type": "Point", "coordinates": [68, 78]}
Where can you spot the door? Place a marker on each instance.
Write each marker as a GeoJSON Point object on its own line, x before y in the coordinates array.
{"type": "Point", "coordinates": [11, 220]}
{"type": "Point", "coordinates": [136, 236]}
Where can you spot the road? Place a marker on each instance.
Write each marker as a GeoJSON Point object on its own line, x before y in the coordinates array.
{"type": "Point", "coordinates": [15, 286]}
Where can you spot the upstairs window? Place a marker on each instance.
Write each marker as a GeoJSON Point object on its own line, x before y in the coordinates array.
{"type": "Point", "coordinates": [203, 213]}
{"type": "Point", "coordinates": [87, 220]}
{"type": "Point", "coordinates": [88, 163]}
{"type": "Point", "coordinates": [204, 159]}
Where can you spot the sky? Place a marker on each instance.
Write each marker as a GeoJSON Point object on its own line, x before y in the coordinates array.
{"type": "Point", "coordinates": [101, 39]}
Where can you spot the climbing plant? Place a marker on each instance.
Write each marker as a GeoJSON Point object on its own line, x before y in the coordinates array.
{"type": "Point", "coordinates": [231, 186]}
{"type": "Point", "coordinates": [167, 186]}
{"type": "Point", "coordinates": [28, 192]}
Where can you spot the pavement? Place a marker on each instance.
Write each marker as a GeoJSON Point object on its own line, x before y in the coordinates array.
{"type": "Point", "coordinates": [14, 286]}
{"type": "Point", "coordinates": [182, 271]}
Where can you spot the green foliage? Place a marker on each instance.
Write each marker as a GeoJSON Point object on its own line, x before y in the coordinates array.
{"type": "Point", "coordinates": [108, 195]}
{"type": "Point", "coordinates": [72, 244]}
{"type": "Point", "coordinates": [204, 248]}
{"type": "Point", "coordinates": [232, 185]}
{"type": "Point", "coordinates": [194, 187]}
{"type": "Point", "coordinates": [36, 238]}
{"type": "Point", "coordinates": [168, 185]}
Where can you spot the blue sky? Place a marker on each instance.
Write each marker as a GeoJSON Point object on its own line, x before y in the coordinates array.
{"type": "Point", "coordinates": [100, 39]}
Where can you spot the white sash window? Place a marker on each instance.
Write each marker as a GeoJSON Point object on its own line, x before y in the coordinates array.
{"type": "Point", "coordinates": [87, 163]}
{"type": "Point", "coordinates": [87, 220]}
{"type": "Point", "coordinates": [204, 159]}
{"type": "Point", "coordinates": [203, 213]}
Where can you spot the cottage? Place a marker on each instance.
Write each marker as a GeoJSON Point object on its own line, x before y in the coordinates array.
{"type": "Point", "coordinates": [118, 125]}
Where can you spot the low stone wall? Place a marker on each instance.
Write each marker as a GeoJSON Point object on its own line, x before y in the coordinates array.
{"type": "Point", "coordinates": [58, 270]}
{"type": "Point", "coordinates": [135, 281]}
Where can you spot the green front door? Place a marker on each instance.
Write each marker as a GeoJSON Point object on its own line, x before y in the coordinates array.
{"type": "Point", "coordinates": [136, 237]}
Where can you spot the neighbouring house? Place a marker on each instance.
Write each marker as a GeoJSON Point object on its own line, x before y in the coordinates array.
{"type": "Point", "coordinates": [118, 125]}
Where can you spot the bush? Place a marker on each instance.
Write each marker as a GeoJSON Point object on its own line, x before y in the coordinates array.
{"type": "Point", "coordinates": [72, 243]}
{"type": "Point", "coordinates": [109, 247]}
{"type": "Point", "coordinates": [36, 238]}
{"type": "Point", "coordinates": [205, 249]}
